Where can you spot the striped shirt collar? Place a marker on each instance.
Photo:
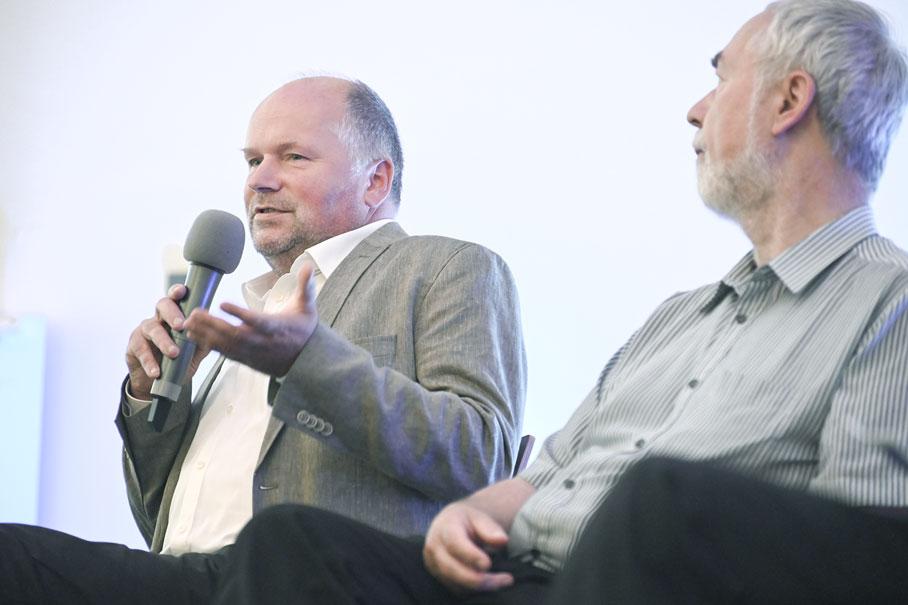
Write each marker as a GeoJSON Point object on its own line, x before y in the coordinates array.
{"type": "Point", "coordinates": [801, 263]}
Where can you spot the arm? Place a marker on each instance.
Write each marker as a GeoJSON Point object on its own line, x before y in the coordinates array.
{"type": "Point", "coordinates": [458, 541]}
{"type": "Point", "coordinates": [147, 455]}
{"type": "Point", "coordinates": [866, 430]}
{"type": "Point", "coordinates": [445, 423]}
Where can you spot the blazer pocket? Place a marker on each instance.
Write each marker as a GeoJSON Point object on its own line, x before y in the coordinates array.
{"type": "Point", "coordinates": [381, 348]}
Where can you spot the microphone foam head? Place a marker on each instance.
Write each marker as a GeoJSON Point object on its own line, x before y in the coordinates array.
{"type": "Point", "coordinates": [215, 240]}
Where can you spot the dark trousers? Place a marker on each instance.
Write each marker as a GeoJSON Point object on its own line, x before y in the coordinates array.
{"type": "Point", "coordinates": [677, 532]}
{"type": "Point", "coordinates": [43, 567]}
{"type": "Point", "coordinates": [297, 554]}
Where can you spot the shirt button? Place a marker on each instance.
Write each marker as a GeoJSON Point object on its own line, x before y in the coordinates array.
{"type": "Point", "coordinates": [639, 443]}
{"type": "Point", "coordinates": [568, 483]}
{"type": "Point", "coordinates": [740, 318]}
{"type": "Point", "coordinates": [229, 409]}
{"type": "Point", "coordinates": [694, 383]}
{"type": "Point", "coordinates": [200, 465]}
{"type": "Point", "coordinates": [182, 529]}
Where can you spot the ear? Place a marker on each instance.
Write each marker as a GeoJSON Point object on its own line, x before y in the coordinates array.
{"type": "Point", "coordinates": [380, 176]}
{"type": "Point", "coordinates": [795, 99]}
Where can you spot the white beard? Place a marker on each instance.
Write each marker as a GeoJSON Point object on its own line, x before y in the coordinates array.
{"type": "Point", "coordinates": [738, 187]}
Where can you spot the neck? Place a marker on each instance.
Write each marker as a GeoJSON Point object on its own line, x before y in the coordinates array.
{"type": "Point", "coordinates": [804, 199]}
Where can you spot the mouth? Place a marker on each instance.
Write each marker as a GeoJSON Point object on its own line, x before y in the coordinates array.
{"type": "Point", "coordinates": [266, 210]}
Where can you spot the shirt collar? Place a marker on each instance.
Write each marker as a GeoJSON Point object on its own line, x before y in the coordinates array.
{"type": "Point", "coordinates": [327, 256]}
{"type": "Point", "coordinates": [797, 266]}
{"type": "Point", "coordinates": [801, 263]}
{"type": "Point", "coordinates": [331, 252]}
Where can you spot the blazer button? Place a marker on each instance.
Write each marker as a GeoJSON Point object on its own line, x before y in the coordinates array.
{"type": "Point", "coordinates": [328, 430]}
{"type": "Point", "coordinates": [302, 417]}
{"type": "Point", "coordinates": [312, 422]}
{"type": "Point", "coordinates": [320, 425]}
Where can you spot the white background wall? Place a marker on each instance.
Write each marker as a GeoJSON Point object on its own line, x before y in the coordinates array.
{"type": "Point", "coordinates": [554, 133]}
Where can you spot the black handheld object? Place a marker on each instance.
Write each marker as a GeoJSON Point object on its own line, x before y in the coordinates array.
{"type": "Point", "coordinates": [213, 247]}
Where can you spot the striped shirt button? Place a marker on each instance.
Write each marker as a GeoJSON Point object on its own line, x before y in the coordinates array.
{"type": "Point", "coordinates": [639, 443]}
{"type": "Point", "coordinates": [740, 318]}
{"type": "Point", "coordinates": [694, 383]}
{"type": "Point", "coordinates": [569, 483]}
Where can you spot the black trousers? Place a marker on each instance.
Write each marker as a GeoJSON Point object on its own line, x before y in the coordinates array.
{"type": "Point", "coordinates": [297, 554]}
{"type": "Point", "coordinates": [677, 532]}
{"type": "Point", "coordinates": [43, 567]}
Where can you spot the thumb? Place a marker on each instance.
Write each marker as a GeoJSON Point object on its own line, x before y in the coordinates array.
{"type": "Point", "coordinates": [489, 532]}
{"type": "Point", "coordinates": [305, 287]}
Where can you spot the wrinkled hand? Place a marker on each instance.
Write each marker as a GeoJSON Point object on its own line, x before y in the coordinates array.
{"type": "Point", "coordinates": [457, 545]}
{"type": "Point", "coordinates": [267, 342]}
{"type": "Point", "coordinates": [151, 340]}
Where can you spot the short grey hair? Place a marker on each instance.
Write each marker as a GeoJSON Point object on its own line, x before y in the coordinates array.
{"type": "Point", "coordinates": [369, 132]}
{"type": "Point", "coordinates": [861, 75]}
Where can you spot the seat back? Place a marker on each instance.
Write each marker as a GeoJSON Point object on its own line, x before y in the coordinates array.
{"type": "Point", "coordinates": [523, 453]}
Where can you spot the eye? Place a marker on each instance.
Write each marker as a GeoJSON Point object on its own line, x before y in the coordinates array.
{"type": "Point", "coordinates": [253, 162]}
{"type": "Point", "coordinates": [295, 157]}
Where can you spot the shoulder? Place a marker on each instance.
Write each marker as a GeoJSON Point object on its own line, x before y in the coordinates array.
{"type": "Point", "coordinates": [445, 253]}
{"type": "Point", "coordinates": [880, 265]}
{"type": "Point", "coordinates": [878, 251]}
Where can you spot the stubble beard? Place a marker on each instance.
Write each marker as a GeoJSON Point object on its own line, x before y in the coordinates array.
{"type": "Point", "coordinates": [740, 187]}
{"type": "Point", "coordinates": [281, 249]}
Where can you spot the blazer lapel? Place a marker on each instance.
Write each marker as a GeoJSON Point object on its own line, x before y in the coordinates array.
{"type": "Point", "coordinates": [331, 299]}
{"type": "Point", "coordinates": [337, 289]}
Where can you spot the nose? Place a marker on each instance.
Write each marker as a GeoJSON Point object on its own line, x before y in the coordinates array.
{"type": "Point", "coordinates": [264, 177]}
{"type": "Point", "coordinates": [697, 113]}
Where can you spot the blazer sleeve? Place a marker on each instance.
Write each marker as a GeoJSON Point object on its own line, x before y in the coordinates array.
{"type": "Point", "coordinates": [450, 429]}
{"type": "Point", "coordinates": [148, 458]}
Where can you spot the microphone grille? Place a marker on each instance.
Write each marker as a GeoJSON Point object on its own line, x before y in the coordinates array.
{"type": "Point", "coordinates": [215, 240]}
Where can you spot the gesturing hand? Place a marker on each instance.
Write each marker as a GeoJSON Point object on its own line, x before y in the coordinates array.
{"type": "Point", "coordinates": [267, 342]}
{"type": "Point", "coordinates": [456, 549]}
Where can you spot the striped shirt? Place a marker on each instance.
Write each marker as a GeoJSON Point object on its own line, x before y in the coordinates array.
{"type": "Point", "coordinates": [795, 372]}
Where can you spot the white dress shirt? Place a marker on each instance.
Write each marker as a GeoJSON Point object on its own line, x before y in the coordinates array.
{"type": "Point", "coordinates": [212, 500]}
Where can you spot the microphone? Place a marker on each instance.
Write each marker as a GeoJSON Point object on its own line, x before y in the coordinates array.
{"type": "Point", "coordinates": [213, 247]}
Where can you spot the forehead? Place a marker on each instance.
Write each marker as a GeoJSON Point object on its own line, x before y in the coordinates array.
{"type": "Point", "coordinates": [738, 51]}
{"type": "Point", "coordinates": [301, 108]}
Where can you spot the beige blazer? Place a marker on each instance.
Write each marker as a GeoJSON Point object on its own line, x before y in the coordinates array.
{"type": "Point", "coordinates": [409, 394]}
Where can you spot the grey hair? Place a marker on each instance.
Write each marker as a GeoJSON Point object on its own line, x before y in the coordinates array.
{"type": "Point", "coordinates": [369, 132]}
{"type": "Point", "coordinates": [861, 75]}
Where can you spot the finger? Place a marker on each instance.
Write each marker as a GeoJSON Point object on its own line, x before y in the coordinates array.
{"type": "Point", "coordinates": [495, 581]}
{"type": "Point", "coordinates": [458, 576]}
{"type": "Point", "coordinates": [451, 571]}
{"type": "Point", "coordinates": [206, 330]}
{"type": "Point", "coordinates": [177, 292]}
{"type": "Point", "coordinates": [468, 553]}
{"type": "Point", "coordinates": [259, 321]}
{"type": "Point", "coordinates": [153, 331]}
{"type": "Point", "coordinates": [305, 287]}
{"type": "Point", "coordinates": [168, 311]}
{"type": "Point", "coordinates": [239, 343]}
{"type": "Point", "coordinates": [489, 532]}
{"type": "Point", "coordinates": [138, 349]}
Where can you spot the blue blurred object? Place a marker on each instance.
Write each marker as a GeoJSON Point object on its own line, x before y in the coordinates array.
{"type": "Point", "coordinates": [22, 355]}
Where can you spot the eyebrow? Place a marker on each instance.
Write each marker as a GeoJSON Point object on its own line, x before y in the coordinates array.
{"type": "Point", "coordinates": [280, 148]}
{"type": "Point", "coordinates": [715, 60]}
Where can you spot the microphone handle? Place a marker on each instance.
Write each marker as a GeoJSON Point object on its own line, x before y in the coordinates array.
{"type": "Point", "coordinates": [201, 283]}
